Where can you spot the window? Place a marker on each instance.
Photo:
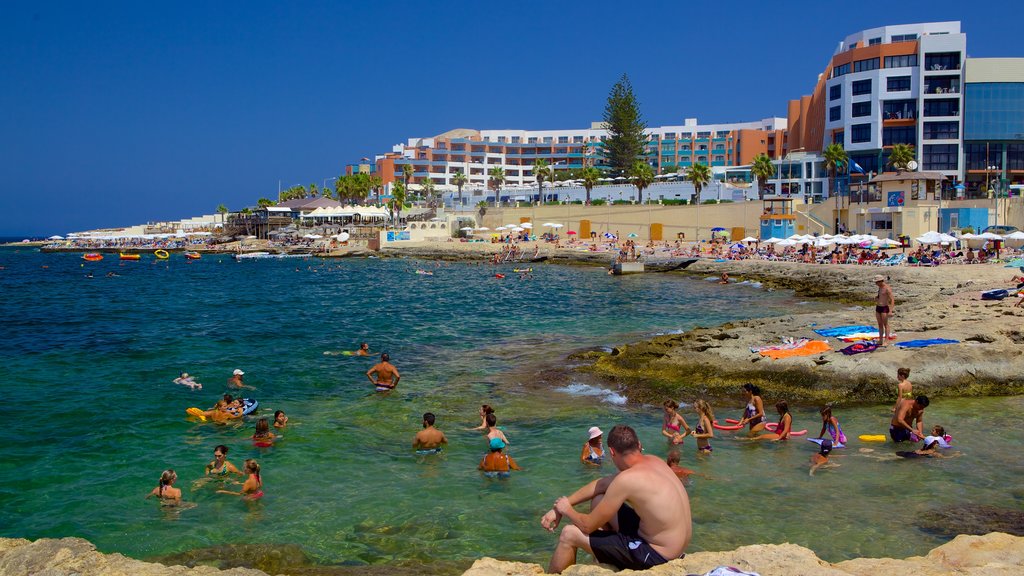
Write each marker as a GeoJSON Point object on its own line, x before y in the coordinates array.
{"type": "Point", "coordinates": [547, 139]}
{"type": "Point", "coordinates": [865, 65]}
{"type": "Point", "coordinates": [835, 113]}
{"type": "Point", "coordinates": [861, 109]}
{"type": "Point", "coordinates": [941, 130]}
{"type": "Point", "coordinates": [940, 157]}
{"type": "Point", "coordinates": [867, 161]}
{"type": "Point", "coordinates": [669, 136]}
{"type": "Point", "coordinates": [941, 108]}
{"type": "Point", "coordinates": [577, 139]}
{"type": "Point", "coordinates": [899, 135]}
{"type": "Point", "coordinates": [904, 37]}
{"type": "Point", "coordinates": [901, 61]}
{"type": "Point", "coordinates": [841, 70]}
{"type": "Point", "coordinates": [835, 92]}
{"type": "Point", "coordinates": [942, 61]}
{"type": "Point", "coordinates": [861, 87]}
{"type": "Point", "coordinates": [897, 83]}
{"type": "Point", "coordinates": [532, 140]}
{"type": "Point", "coordinates": [719, 158]}
{"type": "Point", "coordinates": [516, 139]}
{"type": "Point", "coordinates": [979, 156]}
{"type": "Point", "coordinates": [837, 137]}
{"type": "Point", "coordinates": [563, 139]}
{"type": "Point", "coordinates": [899, 109]}
{"type": "Point", "coordinates": [874, 41]}
{"type": "Point", "coordinates": [702, 159]}
{"type": "Point", "coordinates": [501, 138]}
{"type": "Point", "coordinates": [703, 134]}
{"type": "Point", "coordinates": [860, 133]}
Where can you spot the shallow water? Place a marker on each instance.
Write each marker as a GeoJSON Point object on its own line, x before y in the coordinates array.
{"type": "Point", "coordinates": [93, 418]}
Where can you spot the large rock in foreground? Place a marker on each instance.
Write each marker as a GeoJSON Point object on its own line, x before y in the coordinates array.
{"type": "Point", "coordinates": [995, 554]}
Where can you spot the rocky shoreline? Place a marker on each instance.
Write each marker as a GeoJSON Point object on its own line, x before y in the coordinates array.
{"type": "Point", "coordinates": [995, 554]}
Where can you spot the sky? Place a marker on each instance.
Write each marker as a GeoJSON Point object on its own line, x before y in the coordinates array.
{"type": "Point", "coordinates": [118, 113]}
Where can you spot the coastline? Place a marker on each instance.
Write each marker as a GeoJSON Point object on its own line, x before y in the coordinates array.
{"type": "Point", "coordinates": [993, 554]}
{"type": "Point", "coordinates": [712, 362]}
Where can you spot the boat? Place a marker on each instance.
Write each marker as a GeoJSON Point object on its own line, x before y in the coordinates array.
{"type": "Point", "coordinates": [162, 254]}
{"type": "Point", "coordinates": [93, 257]}
{"type": "Point", "coordinates": [193, 255]}
{"type": "Point", "coordinates": [130, 256]}
{"type": "Point", "coordinates": [255, 255]}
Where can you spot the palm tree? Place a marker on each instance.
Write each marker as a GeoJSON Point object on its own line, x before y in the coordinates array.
{"type": "Point", "coordinates": [700, 175]}
{"type": "Point", "coordinates": [541, 172]}
{"type": "Point", "coordinates": [427, 189]}
{"type": "Point", "coordinates": [264, 202]}
{"type": "Point", "coordinates": [900, 156]}
{"type": "Point", "coordinates": [589, 176]}
{"type": "Point", "coordinates": [375, 184]}
{"type": "Point", "coordinates": [641, 176]}
{"type": "Point", "coordinates": [397, 199]}
{"type": "Point", "coordinates": [761, 170]}
{"type": "Point", "coordinates": [459, 180]}
{"type": "Point", "coordinates": [407, 172]}
{"type": "Point", "coordinates": [481, 207]}
{"type": "Point", "coordinates": [313, 190]}
{"type": "Point", "coordinates": [497, 175]}
{"type": "Point", "coordinates": [223, 211]}
{"type": "Point", "coordinates": [835, 161]}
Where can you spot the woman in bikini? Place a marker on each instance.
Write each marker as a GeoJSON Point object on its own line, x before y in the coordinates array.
{"type": "Point", "coordinates": [252, 489]}
{"type": "Point", "coordinates": [704, 431]}
{"type": "Point", "coordinates": [673, 424]}
{"type": "Point", "coordinates": [785, 424]}
{"type": "Point", "coordinates": [485, 409]}
{"type": "Point", "coordinates": [166, 492]}
{"type": "Point", "coordinates": [753, 415]}
{"type": "Point", "coordinates": [263, 438]}
{"type": "Point", "coordinates": [220, 466]}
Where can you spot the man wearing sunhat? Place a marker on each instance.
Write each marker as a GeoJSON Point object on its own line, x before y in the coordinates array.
{"type": "Point", "coordinates": [236, 380]}
{"type": "Point", "coordinates": [885, 306]}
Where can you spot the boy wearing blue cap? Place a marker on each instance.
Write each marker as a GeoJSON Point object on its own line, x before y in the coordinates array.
{"type": "Point", "coordinates": [497, 464]}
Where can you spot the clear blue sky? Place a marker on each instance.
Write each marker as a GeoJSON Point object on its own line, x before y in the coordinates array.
{"type": "Point", "coordinates": [120, 113]}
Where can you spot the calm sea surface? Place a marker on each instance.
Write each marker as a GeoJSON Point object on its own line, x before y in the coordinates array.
{"type": "Point", "coordinates": [92, 417]}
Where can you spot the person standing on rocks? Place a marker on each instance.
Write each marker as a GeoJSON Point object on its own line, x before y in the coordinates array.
{"type": "Point", "coordinates": [653, 528]}
{"type": "Point", "coordinates": [885, 307]}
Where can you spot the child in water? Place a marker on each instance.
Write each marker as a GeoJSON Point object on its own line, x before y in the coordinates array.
{"type": "Point", "coordinates": [497, 464]}
{"type": "Point", "coordinates": [186, 380]}
{"type": "Point", "coordinates": [165, 491]}
{"type": "Point", "coordinates": [821, 458]}
{"type": "Point", "coordinates": [252, 488]}
{"type": "Point", "coordinates": [263, 438]}
{"type": "Point", "coordinates": [673, 462]}
{"type": "Point", "coordinates": [904, 389]}
{"type": "Point", "coordinates": [830, 424]}
{"type": "Point", "coordinates": [280, 419]}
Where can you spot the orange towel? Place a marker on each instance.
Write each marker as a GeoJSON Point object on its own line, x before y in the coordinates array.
{"type": "Point", "coordinates": [812, 347]}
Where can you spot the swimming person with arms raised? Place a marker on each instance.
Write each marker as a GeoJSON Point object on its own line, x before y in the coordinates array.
{"type": "Point", "coordinates": [753, 415]}
{"type": "Point", "coordinates": [252, 488]}
{"type": "Point", "coordinates": [907, 423]}
{"type": "Point", "coordinates": [165, 491]}
{"type": "Point", "coordinates": [653, 528]}
{"type": "Point", "coordinates": [497, 464]}
{"type": "Point", "coordinates": [387, 375]}
{"type": "Point", "coordinates": [593, 451]}
{"type": "Point", "coordinates": [673, 422]}
{"type": "Point", "coordinates": [430, 440]}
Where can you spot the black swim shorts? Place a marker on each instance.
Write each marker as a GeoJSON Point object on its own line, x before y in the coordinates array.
{"type": "Point", "coordinates": [625, 548]}
{"type": "Point", "coordinates": [882, 309]}
{"type": "Point", "coordinates": [899, 434]}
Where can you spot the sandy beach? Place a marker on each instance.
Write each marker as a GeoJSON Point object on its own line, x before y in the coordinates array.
{"type": "Point", "coordinates": [932, 302]}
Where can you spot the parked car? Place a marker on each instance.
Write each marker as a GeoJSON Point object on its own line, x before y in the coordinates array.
{"type": "Point", "coordinates": [1001, 230]}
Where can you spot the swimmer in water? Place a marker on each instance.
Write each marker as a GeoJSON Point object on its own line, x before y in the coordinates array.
{"type": "Point", "coordinates": [724, 278]}
{"type": "Point", "coordinates": [492, 431]}
{"type": "Point", "coordinates": [704, 431]}
{"type": "Point", "coordinates": [497, 464]}
{"type": "Point", "coordinates": [593, 451]}
{"type": "Point", "coordinates": [236, 380]}
{"type": "Point", "coordinates": [830, 424]}
{"type": "Point", "coordinates": [387, 375]}
{"type": "Point", "coordinates": [252, 488]}
{"type": "Point", "coordinates": [280, 419]}
{"type": "Point", "coordinates": [430, 439]}
{"type": "Point", "coordinates": [904, 389]}
{"type": "Point", "coordinates": [485, 409]}
{"type": "Point", "coordinates": [673, 423]}
{"type": "Point", "coordinates": [220, 466]}
{"type": "Point", "coordinates": [263, 438]}
{"type": "Point", "coordinates": [785, 424]}
{"type": "Point", "coordinates": [753, 415]}
{"type": "Point", "coordinates": [165, 491]}
{"type": "Point", "coordinates": [929, 451]}
{"type": "Point", "coordinates": [186, 380]}
{"type": "Point", "coordinates": [673, 462]}
{"type": "Point", "coordinates": [364, 350]}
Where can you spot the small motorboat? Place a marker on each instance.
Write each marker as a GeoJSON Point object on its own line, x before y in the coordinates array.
{"type": "Point", "coordinates": [93, 257]}
{"type": "Point", "coordinates": [193, 255]}
{"type": "Point", "coordinates": [130, 256]}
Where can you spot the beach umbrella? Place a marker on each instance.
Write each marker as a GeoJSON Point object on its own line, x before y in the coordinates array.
{"type": "Point", "coordinates": [518, 229]}
{"type": "Point", "coordinates": [749, 239]}
{"type": "Point", "coordinates": [989, 236]}
{"type": "Point", "coordinates": [887, 243]}
{"type": "Point", "coordinates": [55, 238]}
{"type": "Point", "coordinates": [550, 224]}
{"type": "Point", "coordinates": [483, 229]}
{"type": "Point", "coordinates": [342, 236]}
{"type": "Point", "coordinates": [526, 225]}
{"type": "Point", "coordinates": [632, 235]}
{"type": "Point", "coordinates": [786, 243]}
{"type": "Point", "coordinates": [466, 228]}
{"type": "Point", "coordinates": [773, 240]}
{"type": "Point", "coordinates": [556, 226]}
{"type": "Point", "coordinates": [501, 228]}
{"type": "Point", "coordinates": [967, 236]}
{"type": "Point", "coordinates": [718, 229]}
{"type": "Point", "coordinates": [1018, 235]}
{"type": "Point", "coordinates": [571, 232]}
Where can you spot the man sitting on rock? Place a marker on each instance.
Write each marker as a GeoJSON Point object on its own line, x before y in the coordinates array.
{"type": "Point", "coordinates": [639, 517]}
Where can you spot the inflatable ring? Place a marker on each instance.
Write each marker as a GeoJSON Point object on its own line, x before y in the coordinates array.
{"type": "Point", "coordinates": [93, 257]}
{"type": "Point", "coordinates": [871, 437]}
{"type": "Point", "coordinates": [731, 421]}
{"type": "Point", "coordinates": [162, 254]}
{"type": "Point", "coordinates": [718, 426]}
{"type": "Point", "coordinates": [771, 426]}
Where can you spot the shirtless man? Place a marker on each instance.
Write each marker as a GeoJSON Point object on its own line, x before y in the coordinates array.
{"type": "Point", "coordinates": [429, 439]}
{"type": "Point", "coordinates": [387, 374]}
{"type": "Point", "coordinates": [236, 380]}
{"type": "Point", "coordinates": [885, 306]}
{"type": "Point", "coordinates": [652, 529]}
{"type": "Point", "coordinates": [907, 412]}
{"type": "Point", "coordinates": [364, 350]}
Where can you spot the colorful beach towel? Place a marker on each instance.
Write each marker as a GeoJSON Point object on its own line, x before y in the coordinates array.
{"type": "Point", "coordinates": [808, 349]}
{"type": "Point", "coordinates": [859, 348]}
{"type": "Point", "coordinates": [925, 343]}
{"type": "Point", "coordinates": [840, 331]}
{"type": "Point", "coordinates": [787, 344]}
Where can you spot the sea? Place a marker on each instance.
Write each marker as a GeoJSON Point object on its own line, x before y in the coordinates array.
{"type": "Point", "coordinates": [92, 416]}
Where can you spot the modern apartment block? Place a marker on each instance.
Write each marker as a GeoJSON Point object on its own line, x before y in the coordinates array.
{"type": "Point", "coordinates": [993, 126]}
{"type": "Point", "coordinates": [890, 85]}
{"type": "Point", "coordinates": [476, 152]}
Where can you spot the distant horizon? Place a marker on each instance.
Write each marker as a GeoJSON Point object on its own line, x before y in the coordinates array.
{"type": "Point", "coordinates": [118, 115]}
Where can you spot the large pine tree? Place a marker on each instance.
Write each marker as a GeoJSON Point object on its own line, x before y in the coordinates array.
{"type": "Point", "coordinates": [625, 127]}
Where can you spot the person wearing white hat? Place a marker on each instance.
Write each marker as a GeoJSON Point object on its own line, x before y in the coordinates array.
{"type": "Point", "coordinates": [593, 450]}
{"type": "Point", "coordinates": [236, 380]}
{"type": "Point", "coordinates": [885, 307]}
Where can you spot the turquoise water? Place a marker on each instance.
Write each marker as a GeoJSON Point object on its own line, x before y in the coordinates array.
{"type": "Point", "coordinates": [92, 417]}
